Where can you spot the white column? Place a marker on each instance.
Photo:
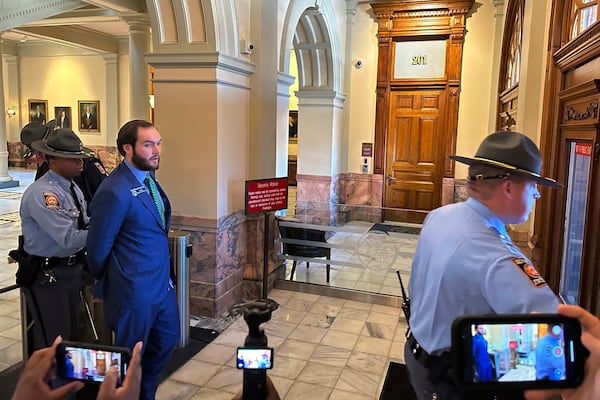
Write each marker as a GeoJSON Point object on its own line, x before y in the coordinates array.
{"type": "Point", "coordinates": [319, 132]}
{"type": "Point", "coordinates": [351, 10]}
{"type": "Point", "coordinates": [12, 97]}
{"type": "Point", "coordinates": [139, 45]}
{"type": "Point", "coordinates": [284, 81]}
{"type": "Point", "coordinates": [497, 55]}
{"type": "Point", "coordinates": [265, 161]}
{"type": "Point", "coordinates": [5, 179]}
{"type": "Point", "coordinates": [112, 98]}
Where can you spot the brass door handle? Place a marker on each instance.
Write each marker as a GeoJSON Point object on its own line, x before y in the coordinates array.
{"type": "Point", "coordinates": [390, 178]}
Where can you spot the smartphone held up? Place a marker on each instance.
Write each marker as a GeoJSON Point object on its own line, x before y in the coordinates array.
{"type": "Point", "coordinates": [506, 352]}
{"type": "Point", "coordinates": [90, 363]}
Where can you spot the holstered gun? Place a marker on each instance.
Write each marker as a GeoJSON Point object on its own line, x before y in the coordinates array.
{"type": "Point", "coordinates": [29, 265]}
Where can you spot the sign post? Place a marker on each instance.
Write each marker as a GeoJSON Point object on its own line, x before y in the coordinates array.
{"type": "Point", "coordinates": [264, 196]}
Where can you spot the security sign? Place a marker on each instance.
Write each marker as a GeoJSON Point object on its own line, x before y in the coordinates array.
{"type": "Point", "coordinates": [266, 195]}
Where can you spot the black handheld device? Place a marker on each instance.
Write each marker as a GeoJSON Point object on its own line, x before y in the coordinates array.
{"type": "Point", "coordinates": [255, 379]}
{"type": "Point", "coordinates": [89, 362]}
{"type": "Point", "coordinates": [517, 352]}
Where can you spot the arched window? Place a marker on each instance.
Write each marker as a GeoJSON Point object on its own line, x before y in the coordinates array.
{"type": "Point", "coordinates": [508, 87]}
{"type": "Point", "coordinates": [583, 14]}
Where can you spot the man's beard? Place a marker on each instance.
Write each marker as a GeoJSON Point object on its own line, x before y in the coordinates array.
{"type": "Point", "coordinates": [142, 163]}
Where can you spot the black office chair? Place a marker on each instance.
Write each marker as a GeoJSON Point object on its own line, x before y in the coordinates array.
{"type": "Point", "coordinates": [301, 250]}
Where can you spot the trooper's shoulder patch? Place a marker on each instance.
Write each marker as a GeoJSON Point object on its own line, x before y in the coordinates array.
{"type": "Point", "coordinates": [530, 272]}
{"type": "Point", "coordinates": [51, 200]}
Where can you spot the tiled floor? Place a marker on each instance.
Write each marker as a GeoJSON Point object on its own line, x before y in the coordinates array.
{"type": "Point", "coordinates": [363, 261]}
{"type": "Point", "coordinates": [325, 348]}
{"type": "Point", "coordinates": [10, 306]}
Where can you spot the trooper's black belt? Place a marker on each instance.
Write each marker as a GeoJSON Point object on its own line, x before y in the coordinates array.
{"type": "Point", "coordinates": [438, 366]}
{"type": "Point", "coordinates": [68, 261]}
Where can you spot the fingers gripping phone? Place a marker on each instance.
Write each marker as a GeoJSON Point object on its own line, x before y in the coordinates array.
{"type": "Point", "coordinates": [517, 352]}
{"type": "Point", "coordinates": [90, 363]}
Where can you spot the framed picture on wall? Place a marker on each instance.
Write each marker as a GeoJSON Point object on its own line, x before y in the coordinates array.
{"type": "Point", "coordinates": [62, 115]}
{"type": "Point", "coordinates": [89, 115]}
{"type": "Point", "coordinates": [293, 124]}
{"type": "Point", "coordinates": [38, 110]}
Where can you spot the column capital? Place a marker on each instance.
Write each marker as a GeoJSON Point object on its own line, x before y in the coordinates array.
{"type": "Point", "coordinates": [139, 22]}
{"type": "Point", "coordinates": [110, 58]}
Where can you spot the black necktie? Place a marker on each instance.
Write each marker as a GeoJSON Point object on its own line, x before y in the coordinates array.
{"type": "Point", "coordinates": [80, 221]}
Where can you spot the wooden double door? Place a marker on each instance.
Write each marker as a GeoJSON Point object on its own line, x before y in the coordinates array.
{"type": "Point", "coordinates": [414, 158]}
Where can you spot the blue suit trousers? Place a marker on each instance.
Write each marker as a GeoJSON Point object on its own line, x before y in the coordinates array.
{"type": "Point", "coordinates": [158, 326]}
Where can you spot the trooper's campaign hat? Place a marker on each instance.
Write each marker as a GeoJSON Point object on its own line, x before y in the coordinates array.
{"type": "Point", "coordinates": [62, 143]}
{"type": "Point", "coordinates": [35, 131]}
{"type": "Point", "coordinates": [512, 152]}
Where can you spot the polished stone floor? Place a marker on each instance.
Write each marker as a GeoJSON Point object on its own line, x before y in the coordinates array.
{"type": "Point", "coordinates": [325, 348]}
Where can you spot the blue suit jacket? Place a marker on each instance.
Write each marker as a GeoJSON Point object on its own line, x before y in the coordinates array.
{"type": "Point", "coordinates": [128, 249]}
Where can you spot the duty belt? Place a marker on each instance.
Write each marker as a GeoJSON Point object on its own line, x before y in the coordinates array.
{"type": "Point", "coordinates": [68, 261]}
{"type": "Point", "coordinates": [438, 366]}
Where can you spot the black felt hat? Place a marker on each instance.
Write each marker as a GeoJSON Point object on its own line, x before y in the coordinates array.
{"type": "Point", "coordinates": [35, 131]}
{"type": "Point", "coordinates": [512, 152]}
{"type": "Point", "coordinates": [62, 143]}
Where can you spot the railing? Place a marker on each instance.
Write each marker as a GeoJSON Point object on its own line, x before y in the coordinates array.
{"type": "Point", "coordinates": [365, 249]}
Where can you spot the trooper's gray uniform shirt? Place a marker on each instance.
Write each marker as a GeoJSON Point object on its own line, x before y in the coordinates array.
{"type": "Point", "coordinates": [465, 263]}
{"type": "Point", "coordinates": [49, 217]}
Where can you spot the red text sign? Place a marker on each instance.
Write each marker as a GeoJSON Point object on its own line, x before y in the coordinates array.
{"type": "Point", "coordinates": [266, 195]}
{"type": "Point", "coordinates": [583, 149]}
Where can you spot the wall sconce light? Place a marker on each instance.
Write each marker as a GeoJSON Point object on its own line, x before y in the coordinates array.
{"type": "Point", "coordinates": [11, 112]}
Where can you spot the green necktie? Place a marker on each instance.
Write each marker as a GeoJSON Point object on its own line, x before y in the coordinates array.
{"type": "Point", "coordinates": [155, 196]}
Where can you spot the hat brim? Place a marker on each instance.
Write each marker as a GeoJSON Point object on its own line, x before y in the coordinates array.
{"type": "Point", "coordinates": [42, 147]}
{"type": "Point", "coordinates": [507, 167]}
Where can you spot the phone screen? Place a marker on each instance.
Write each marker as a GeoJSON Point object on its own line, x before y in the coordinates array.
{"type": "Point", "coordinates": [546, 352]}
{"type": "Point", "coordinates": [89, 364]}
{"type": "Point", "coordinates": [249, 358]}
{"type": "Point", "coordinates": [517, 352]}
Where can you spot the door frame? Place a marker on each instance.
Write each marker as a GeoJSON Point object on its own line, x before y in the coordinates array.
{"type": "Point", "coordinates": [409, 20]}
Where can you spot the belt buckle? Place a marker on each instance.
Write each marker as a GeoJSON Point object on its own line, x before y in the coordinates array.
{"type": "Point", "coordinates": [71, 259]}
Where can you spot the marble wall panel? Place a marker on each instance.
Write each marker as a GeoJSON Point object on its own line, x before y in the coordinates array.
{"type": "Point", "coordinates": [227, 260]}
{"type": "Point", "coordinates": [460, 190]}
{"type": "Point", "coordinates": [447, 191]}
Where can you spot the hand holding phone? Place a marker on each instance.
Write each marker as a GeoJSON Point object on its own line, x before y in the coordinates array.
{"type": "Point", "coordinates": [130, 389]}
{"type": "Point", "coordinates": [91, 363]}
{"type": "Point", "coordinates": [517, 352]}
{"type": "Point", "coordinates": [33, 382]}
{"type": "Point", "coordinates": [590, 387]}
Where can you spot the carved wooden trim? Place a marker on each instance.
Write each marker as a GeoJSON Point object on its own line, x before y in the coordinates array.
{"type": "Point", "coordinates": [590, 112]}
{"type": "Point", "coordinates": [582, 48]}
{"type": "Point", "coordinates": [444, 19]}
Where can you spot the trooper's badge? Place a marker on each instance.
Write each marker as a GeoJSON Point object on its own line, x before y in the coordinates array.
{"type": "Point", "coordinates": [529, 271]}
{"type": "Point", "coordinates": [51, 200]}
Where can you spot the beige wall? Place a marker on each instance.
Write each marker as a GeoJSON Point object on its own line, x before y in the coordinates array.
{"type": "Point", "coordinates": [65, 80]}
{"type": "Point", "coordinates": [476, 97]}
{"type": "Point", "coordinates": [361, 98]}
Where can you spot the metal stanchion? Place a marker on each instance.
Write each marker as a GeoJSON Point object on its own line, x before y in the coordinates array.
{"type": "Point", "coordinates": [180, 253]}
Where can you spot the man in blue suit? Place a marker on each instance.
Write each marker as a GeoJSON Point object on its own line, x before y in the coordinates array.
{"type": "Point", "coordinates": [128, 253]}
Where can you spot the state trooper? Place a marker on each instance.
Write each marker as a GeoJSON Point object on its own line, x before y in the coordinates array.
{"type": "Point", "coordinates": [93, 170]}
{"type": "Point", "coordinates": [465, 262]}
{"type": "Point", "coordinates": [54, 224]}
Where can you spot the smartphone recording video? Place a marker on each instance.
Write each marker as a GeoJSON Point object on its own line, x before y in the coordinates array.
{"type": "Point", "coordinates": [518, 351]}
{"type": "Point", "coordinates": [90, 363]}
{"type": "Point", "coordinates": [253, 358]}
